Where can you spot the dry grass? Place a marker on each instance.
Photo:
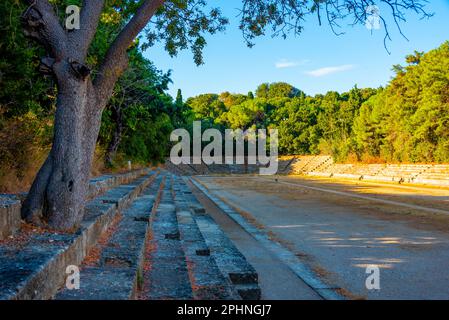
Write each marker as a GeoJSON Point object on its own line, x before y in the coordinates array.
{"type": "Point", "coordinates": [24, 145]}
{"type": "Point", "coordinates": [18, 176]}
{"type": "Point", "coordinates": [98, 166]}
{"type": "Point", "coordinates": [13, 180]}
{"type": "Point", "coordinates": [150, 249]}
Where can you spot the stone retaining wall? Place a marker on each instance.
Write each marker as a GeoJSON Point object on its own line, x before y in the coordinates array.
{"type": "Point", "coordinates": [10, 204]}
{"type": "Point", "coordinates": [9, 215]}
{"type": "Point", "coordinates": [37, 268]}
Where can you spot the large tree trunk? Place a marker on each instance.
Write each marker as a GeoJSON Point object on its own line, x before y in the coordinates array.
{"type": "Point", "coordinates": [58, 194]}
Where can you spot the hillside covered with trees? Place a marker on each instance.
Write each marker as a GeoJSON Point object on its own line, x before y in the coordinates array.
{"type": "Point", "coordinates": [407, 121]}
{"type": "Point", "coordinates": [136, 123]}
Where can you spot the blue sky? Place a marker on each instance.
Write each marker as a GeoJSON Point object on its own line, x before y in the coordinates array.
{"type": "Point", "coordinates": [316, 61]}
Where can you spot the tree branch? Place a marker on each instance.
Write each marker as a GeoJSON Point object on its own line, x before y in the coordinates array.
{"type": "Point", "coordinates": [42, 25]}
{"type": "Point", "coordinates": [89, 19]}
{"type": "Point", "coordinates": [116, 60]}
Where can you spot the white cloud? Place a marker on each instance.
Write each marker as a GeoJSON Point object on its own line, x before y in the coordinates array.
{"type": "Point", "coordinates": [330, 70]}
{"type": "Point", "coordinates": [284, 63]}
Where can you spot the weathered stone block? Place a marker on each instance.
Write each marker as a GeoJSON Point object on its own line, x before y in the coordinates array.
{"type": "Point", "coordinates": [9, 215]}
{"type": "Point", "coordinates": [37, 269]}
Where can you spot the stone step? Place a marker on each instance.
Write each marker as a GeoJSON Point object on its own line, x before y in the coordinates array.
{"type": "Point", "coordinates": [9, 215]}
{"type": "Point", "coordinates": [101, 184]}
{"type": "Point", "coordinates": [228, 258]}
{"type": "Point", "coordinates": [167, 275]}
{"type": "Point", "coordinates": [10, 204]}
{"type": "Point", "coordinates": [118, 273]}
{"type": "Point", "coordinates": [231, 262]}
{"type": "Point", "coordinates": [35, 266]}
{"type": "Point", "coordinates": [207, 281]}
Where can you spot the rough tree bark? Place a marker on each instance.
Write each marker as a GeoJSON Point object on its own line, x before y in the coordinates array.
{"type": "Point", "coordinates": [57, 196]}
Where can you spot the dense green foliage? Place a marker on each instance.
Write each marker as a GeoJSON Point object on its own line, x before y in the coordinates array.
{"type": "Point", "coordinates": [145, 114]}
{"type": "Point", "coordinates": [307, 125]}
{"type": "Point", "coordinates": [408, 121]}
{"type": "Point", "coordinates": [27, 100]}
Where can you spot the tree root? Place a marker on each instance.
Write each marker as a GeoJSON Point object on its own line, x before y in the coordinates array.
{"type": "Point", "coordinates": [33, 206]}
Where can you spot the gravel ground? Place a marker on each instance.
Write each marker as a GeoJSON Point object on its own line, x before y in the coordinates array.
{"type": "Point", "coordinates": [339, 235]}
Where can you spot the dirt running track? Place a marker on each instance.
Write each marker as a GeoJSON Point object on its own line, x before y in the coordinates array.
{"type": "Point", "coordinates": [339, 228]}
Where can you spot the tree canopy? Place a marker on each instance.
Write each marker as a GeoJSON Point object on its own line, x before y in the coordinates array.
{"type": "Point", "coordinates": [407, 121]}
{"type": "Point", "coordinates": [85, 64]}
